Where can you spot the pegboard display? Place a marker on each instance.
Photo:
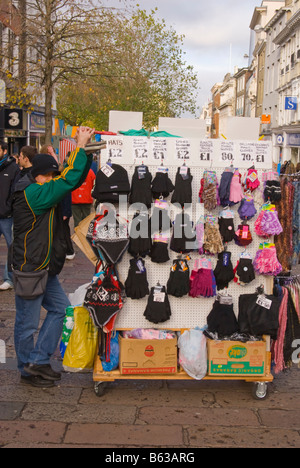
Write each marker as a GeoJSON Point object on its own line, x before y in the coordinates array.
{"type": "Point", "coordinates": [187, 312]}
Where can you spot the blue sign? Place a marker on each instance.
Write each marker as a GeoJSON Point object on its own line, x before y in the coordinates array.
{"type": "Point", "coordinates": [293, 139]}
{"type": "Point", "coordinates": [291, 103]}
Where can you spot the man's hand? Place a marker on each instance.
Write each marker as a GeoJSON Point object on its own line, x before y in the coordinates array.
{"type": "Point", "coordinates": [83, 136]}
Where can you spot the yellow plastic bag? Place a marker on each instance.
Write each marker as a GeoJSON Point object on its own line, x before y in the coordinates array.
{"type": "Point", "coordinates": [82, 347]}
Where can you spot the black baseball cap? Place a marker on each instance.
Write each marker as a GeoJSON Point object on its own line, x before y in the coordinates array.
{"type": "Point", "coordinates": [44, 164]}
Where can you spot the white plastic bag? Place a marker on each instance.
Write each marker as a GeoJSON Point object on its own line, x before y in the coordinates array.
{"type": "Point", "coordinates": [77, 298]}
{"type": "Point", "coordinates": [193, 353]}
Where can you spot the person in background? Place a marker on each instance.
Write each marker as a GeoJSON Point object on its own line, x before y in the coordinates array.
{"type": "Point", "coordinates": [9, 173]}
{"type": "Point", "coordinates": [27, 155]}
{"type": "Point", "coordinates": [94, 165]}
{"type": "Point", "coordinates": [48, 149]}
{"type": "Point", "coordinates": [16, 156]}
{"type": "Point", "coordinates": [82, 200]}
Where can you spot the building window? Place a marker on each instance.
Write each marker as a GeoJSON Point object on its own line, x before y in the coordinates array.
{"type": "Point", "coordinates": [293, 60]}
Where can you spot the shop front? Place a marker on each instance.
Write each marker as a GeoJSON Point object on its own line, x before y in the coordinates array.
{"type": "Point", "coordinates": [287, 145]}
{"type": "Point", "coordinates": [13, 128]}
{"type": "Point", "coordinates": [293, 142]}
{"type": "Point", "coordinates": [36, 124]}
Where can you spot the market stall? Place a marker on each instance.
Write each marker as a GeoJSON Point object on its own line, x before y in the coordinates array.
{"type": "Point", "coordinates": [207, 210]}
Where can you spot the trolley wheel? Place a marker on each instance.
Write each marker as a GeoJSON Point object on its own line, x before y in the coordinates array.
{"type": "Point", "coordinates": [260, 390]}
{"type": "Point", "coordinates": [100, 388]}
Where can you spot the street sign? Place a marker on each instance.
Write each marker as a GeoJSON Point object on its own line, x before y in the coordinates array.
{"type": "Point", "coordinates": [291, 103]}
{"type": "Point", "coordinates": [266, 119]}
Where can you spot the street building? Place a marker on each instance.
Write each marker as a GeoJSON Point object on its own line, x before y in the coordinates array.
{"type": "Point", "coordinates": [22, 108]}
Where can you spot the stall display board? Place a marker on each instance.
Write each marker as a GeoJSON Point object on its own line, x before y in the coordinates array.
{"type": "Point", "coordinates": [196, 153]}
{"type": "Point", "coordinates": [187, 312]}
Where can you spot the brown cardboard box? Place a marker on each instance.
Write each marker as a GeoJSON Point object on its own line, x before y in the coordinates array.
{"type": "Point", "coordinates": [148, 356]}
{"type": "Point", "coordinates": [234, 358]}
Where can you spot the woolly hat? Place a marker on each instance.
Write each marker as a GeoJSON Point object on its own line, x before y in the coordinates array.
{"type": "Point", "coordinates": [44, 164]}
{"type": "Point", "coordinates": [109, 185]}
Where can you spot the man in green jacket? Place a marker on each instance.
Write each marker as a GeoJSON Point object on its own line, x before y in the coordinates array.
{"type": "Point", "coordinates": [39, 249]}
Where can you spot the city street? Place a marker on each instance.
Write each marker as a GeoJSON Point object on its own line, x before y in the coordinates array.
{"type": "Point", "coordinates": [139, 414]}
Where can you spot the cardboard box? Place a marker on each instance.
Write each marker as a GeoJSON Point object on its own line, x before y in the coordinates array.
{"type": "Point", "coordinates": [236, 358]}
{"type": "Point", "coordinates": [148, 356]}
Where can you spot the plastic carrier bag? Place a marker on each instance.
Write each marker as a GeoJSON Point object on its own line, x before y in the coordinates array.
{"type": "Point", "coordinates": [193, 353]}
{"type": "Point", "coordinates": [67, 330]}
{"type": "Point", "coordinates": [82, 347]}
{"type": "Point", "coordinates": [110, 359]}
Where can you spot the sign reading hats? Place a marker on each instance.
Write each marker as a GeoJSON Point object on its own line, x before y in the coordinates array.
{"type": "Point", "coordinates": [13, 119]}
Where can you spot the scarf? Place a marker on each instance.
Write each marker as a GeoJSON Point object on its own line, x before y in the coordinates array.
{"type": "Point", "coordinates": [2, 161]}
{"type": "Point", "coordinates": [279, 344]}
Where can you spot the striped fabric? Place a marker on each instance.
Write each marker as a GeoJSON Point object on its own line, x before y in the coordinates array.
{"type": "Point", "coordinates": [65, 146]}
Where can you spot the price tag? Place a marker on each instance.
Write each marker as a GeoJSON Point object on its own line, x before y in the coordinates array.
{"type": "Point", "coordinates": [159, 297]}
{"type": "Point", "coordinates": [264, 302]}
{"type": "Point", "coordinates": [140, 266]}
{"type": "Point", "coordinates": [107, 170]}
{"type": "Point", "coordinates": [162, 170]}
{"type": "Point", "coordinates": [142, 172]}
{"type": "Point", "coordinates": [184, 172]}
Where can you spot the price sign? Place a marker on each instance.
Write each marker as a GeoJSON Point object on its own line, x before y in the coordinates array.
{"type": "Point", "coordinates": [115, 148]}
{"type": "Point", "coordinates": [226, 154]}
{"type": "Point", "coordinates": [159, 149]}
{"type": "Point", "coordinates": [206, 152]}
{"type": "Point", "coordinates": [255, 153]}
{"type": "Point", "coordinates": [140, 148]}
{"type": "Point", "coordinates": [183, 150]}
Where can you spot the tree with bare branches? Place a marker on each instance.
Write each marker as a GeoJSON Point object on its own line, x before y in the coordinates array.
{"type": "Point", "coordinates": [57, 42]}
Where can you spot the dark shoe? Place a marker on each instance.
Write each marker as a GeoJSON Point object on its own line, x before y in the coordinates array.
{"type": "Point", "coordinates": [37, 381]}
{"type": "Point", "coordinates": [45, 371]}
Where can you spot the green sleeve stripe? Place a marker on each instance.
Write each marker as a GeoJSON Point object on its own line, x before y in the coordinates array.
{"type": "Point", "coordinates": [43, 197]}
{"type": "Point", "coordinates": [50, 233]}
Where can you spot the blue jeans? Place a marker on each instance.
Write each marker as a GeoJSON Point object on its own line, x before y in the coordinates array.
{"type": "Point", "coordinates": [6, 230]}
{"type": "Point", "coordinates": [28, 312]}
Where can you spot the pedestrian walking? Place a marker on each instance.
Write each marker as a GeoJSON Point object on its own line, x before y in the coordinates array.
{"type": "Point", "coordinates": [38, 256]}
{"type": "Point", "coordinates": [9, 172]}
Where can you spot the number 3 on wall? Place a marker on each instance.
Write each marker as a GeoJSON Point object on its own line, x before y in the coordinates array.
{"type": "Point", "coordinates": [14, 119]}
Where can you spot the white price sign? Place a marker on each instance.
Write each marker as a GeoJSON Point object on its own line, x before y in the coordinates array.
{"type": "Point", "coordinates": [115, 148]}
{"type": "Point", "coordinates": [206, 153]}
{"type": "Point", "coordinates": [226, 155]}
{"type": "Point", "coordinates": [183, 150]}
{"type": "Point", "coordinates": [140, 148]}
{"type": "Point", "coordinates": [257, 153]}
{"type": "Point", "coordinates": [159, 149]}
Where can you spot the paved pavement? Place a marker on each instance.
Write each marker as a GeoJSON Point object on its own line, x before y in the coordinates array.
{"type": "Point", "coordinates": [139, 414]}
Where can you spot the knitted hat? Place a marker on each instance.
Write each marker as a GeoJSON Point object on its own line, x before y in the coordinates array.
{"type": "Point", "coordinates": [44, 164]}
{"type": "Point", "coordinates": [111, 184]}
